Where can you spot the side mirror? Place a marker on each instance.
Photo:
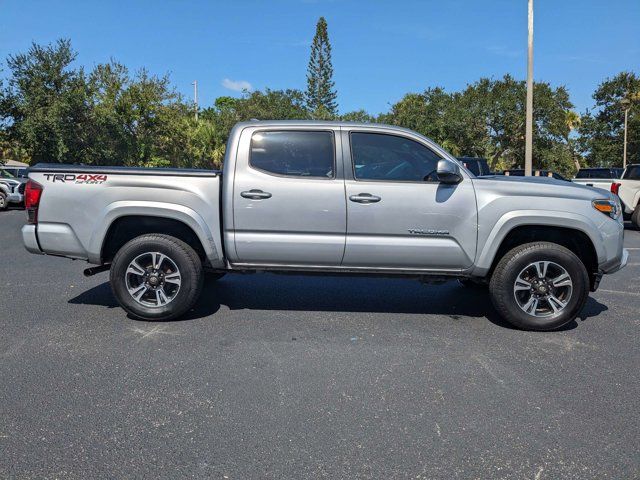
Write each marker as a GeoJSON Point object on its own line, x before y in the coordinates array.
{"type": "Point", "coordinates": [448, 172]}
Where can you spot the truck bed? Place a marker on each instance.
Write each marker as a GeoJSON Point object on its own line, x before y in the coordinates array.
{"type": "Point", "coordinates": [81, 203]}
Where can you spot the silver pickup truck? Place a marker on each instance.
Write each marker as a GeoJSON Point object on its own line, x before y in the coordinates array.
{"type": "Point", "coordinates": [335, 198]}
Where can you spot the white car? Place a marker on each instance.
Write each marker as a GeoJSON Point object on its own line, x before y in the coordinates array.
{"type": "Point", "coordinates": [598, 177]}
{"type": "Point", "coordinates": [11, 189]}
{"type": "Point", "coordinates": [628, 189]}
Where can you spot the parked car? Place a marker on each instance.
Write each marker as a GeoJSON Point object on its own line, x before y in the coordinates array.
{"type": "Point", "coordinates": [331, 198]}
{"type": "Point", "coordinates": [478, 166]}
{"type": "Point", "coordinates": [11, 189]}
{"type": "Point", "coordinates": [17, 172]}
{"type": "Point", "coordinates": [518, 172]}
{"type": "Point", "coordinates": [628, 189]}
{"type": "Point", "coordinates": [597, 177]}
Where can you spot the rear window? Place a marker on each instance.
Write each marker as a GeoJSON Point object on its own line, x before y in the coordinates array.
{"type": "Point", "coordinates": [294, 153]}
{"type": "Point", "coordinates": [632, 173]}
{"type": "Point", "coordinates": [594, 173]}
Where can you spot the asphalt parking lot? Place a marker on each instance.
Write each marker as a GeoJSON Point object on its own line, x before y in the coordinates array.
{"type": "Point", "coordinates": [307, 377]}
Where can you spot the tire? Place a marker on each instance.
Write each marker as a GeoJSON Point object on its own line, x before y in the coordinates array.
{"type": "Point", "coordinates": [560, 306]}
{"type": "Point", "coordinates": [3, 201]}
{"type": "Point", "coordinates": [635, 217]}
{"type": "Point", "coordinates": [181, 266]}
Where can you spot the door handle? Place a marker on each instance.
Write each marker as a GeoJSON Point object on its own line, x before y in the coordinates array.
{"type": "Point", "coordinates": [256, 195]}
{"type": "Point", "coordinates": [364, 198]}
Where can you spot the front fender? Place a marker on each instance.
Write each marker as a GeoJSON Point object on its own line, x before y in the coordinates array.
{"type": "Point", "coordinates": [186, 215]}
{"type": "Point", "coordinates": [518, 218]}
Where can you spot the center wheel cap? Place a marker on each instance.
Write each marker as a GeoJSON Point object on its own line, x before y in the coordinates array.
{"type": "Point", "coordinates": [154, 280]}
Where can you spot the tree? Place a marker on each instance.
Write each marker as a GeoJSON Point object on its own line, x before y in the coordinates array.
{"type": "Point", "coordinates": [602, 127]}
{"type": "Point", "coordinates": [358, 116]}
{"type": "Point", "coordinates": [321, 95]}
{"type": "Point", "coordinates": [47, 104]}
{"type": "Point", "coordinates": [487, 120]}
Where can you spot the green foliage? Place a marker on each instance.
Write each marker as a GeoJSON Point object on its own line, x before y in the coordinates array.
{"type": "Point", "coordinates": [487, 120]}
{"type": "Point", "coordinates": [358, 116]}
{"type": "Point", "coordinates": [321, 97]}
{"type": "Point", "coordinates": [50, 111]}
{"type": "Point", "coordinates": [602, 129]}
{"type": "Point", "coordinates": [47, 104]}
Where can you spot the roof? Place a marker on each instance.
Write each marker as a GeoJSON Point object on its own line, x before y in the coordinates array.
{"type": "Point", "coordinates": [14, 163]}
{"type": "Point", "coordinates": [322, 123]}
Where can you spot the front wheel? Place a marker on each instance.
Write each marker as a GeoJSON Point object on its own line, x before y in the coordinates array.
{"type": "Point", "coordinates": [156, 277]}
{"type": "Point", "coordinates": [3, 201]}
{"type": "Point", "coordinates": [539, 286]}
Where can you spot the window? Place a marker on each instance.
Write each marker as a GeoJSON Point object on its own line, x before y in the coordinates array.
{"type": "Point", "coordinates": [294, 153]}
{"type": "Point", "coordinates": [594, 173]}
{"type": "Point", "coordinates": [389, 157]}
{"type": "Point", "coordinates": [632, 173]}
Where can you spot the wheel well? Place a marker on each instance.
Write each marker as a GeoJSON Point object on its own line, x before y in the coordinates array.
{"type": "Point", "coordinates": [575, 240]}
{"type": "Point", "coordinates": [127, 228]}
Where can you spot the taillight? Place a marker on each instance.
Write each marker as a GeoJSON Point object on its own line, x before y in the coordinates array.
{"type": "Point", "coordinates": [615, 187]}
{"type": "Point", "coordinates": [32, 194]}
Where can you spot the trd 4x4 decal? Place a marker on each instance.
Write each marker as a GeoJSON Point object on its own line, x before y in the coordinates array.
{"type": "Point", "coordinates": [85, 178]}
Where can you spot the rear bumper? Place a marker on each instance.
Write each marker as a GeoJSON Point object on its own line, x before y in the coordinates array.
{"type": "Point", "coordinates": [30, 239]}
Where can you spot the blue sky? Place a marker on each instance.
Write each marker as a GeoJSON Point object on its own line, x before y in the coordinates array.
{"type": "Point", "coordinates": [381, 49]}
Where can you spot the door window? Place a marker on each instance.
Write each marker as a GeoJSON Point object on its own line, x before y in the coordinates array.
{"type": "Point", "coordinates": [294, 153]}
{"type": "Point", "coordinates": [379, 156]}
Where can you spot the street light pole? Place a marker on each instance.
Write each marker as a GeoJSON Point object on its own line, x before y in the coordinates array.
{"type": "Point", "coordinates": [195, 96]}
{"type": "Point", "coordinates": [626, 105]}
{"type": "Point", "coordinates": [528, 146]}
{"type": "Point", "coordinates": [624, 152]}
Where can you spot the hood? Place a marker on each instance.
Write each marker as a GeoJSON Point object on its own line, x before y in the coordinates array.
{"type": "Point", "coordinates": [540, 186]}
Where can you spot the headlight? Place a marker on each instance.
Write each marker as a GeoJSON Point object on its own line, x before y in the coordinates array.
{"type": "Point", "coordinates": [609, 207]}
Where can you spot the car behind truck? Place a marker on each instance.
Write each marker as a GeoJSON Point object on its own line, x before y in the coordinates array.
{"type": "Point", "coordinates": [628, 189]}
{"type": "Point", "coordinates": [331, 198]}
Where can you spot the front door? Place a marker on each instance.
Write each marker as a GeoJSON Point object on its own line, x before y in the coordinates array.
{"type": "Point", "coordinates": [399, 216]}
{"type": "Point", "coordinates": [288, 198]}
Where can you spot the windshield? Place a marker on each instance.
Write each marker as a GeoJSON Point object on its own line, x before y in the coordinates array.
{"type": "Point", "coordinates": [5, 174]}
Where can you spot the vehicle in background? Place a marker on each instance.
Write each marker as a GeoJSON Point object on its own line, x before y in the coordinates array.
{"type": "Point", "coordinates": [329, 198]}
{"type": "Point", "coordinates": [11, 189]}
{"type": "Point", "coordinates": [628, 189]}
{"type": "Point", "coordinates": [597, 177]}
{"type": "Point", "coordinates": [17, 172]}
{"type": "Point", "coordinates": [478, 166]}
{"type": "Point", "coordinates": [518, 172]}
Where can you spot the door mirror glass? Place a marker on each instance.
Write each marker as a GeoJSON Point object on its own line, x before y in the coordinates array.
{"type": "Point", "coordinates": [448, 172]}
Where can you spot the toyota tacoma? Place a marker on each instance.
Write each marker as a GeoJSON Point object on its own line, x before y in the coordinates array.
{"type": "Point", "coordinates": [331, 198]}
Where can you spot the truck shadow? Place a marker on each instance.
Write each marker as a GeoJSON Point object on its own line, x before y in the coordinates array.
{"type": "Point", "coordinates": [338, 294]}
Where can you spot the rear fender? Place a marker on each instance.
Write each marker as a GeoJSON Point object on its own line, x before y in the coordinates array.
{"type": "Point", "coordinates": [210, 240]}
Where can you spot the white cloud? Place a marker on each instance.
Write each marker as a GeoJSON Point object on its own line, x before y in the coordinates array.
{"type": "Point", "coordinates": [236, 85]}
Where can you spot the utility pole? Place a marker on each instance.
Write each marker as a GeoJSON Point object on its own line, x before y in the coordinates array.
{"type": "Point", "coordinates": [195, 96]}
{"type": "Point", "coordinates": [528, 146]}
{"type": "Point", "coordinates": [626, 105]}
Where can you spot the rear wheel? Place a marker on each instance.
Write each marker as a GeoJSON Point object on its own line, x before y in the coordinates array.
{"type": "Point", "coordinates": [3, 201]}
{"type": "Point", "coordinates": [539, 286]}
{"type": "Point", "coordinates": [156, 277]}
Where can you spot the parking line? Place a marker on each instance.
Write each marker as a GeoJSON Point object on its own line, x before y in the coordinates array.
{"type": "Point", "coordinates": [635, 294]}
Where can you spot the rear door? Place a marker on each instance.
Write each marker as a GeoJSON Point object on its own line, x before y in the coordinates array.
{"type": "Point", "coordinates": [288, 197]}
{"type": "Point", "coordinates": [398, 215]}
